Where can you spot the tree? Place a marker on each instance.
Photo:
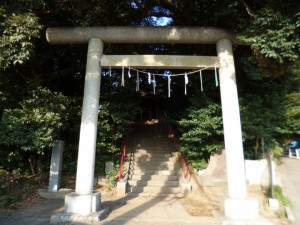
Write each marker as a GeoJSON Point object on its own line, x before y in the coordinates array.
{"type": "Point", "coordinates": [18, 30]}
{"type": "Point", "coordinates": [32, 127]}
{"type": "Point", "coordinates": [201, 128]}
{"type": "Point", "coordinates": [270, 30]}
{"type": "Point", "coordinates": [274, 39]}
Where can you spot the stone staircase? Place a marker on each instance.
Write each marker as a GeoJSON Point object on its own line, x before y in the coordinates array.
{"type": "Point", "coordinates": [152, 164]}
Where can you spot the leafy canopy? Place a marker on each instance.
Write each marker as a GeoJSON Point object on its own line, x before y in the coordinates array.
{"type": "Point", "coordinates": [201, 128]}
{"type": "Point", "coordinates": [36, 122]}
{"type": "Point", "coordinates": [16, 37]}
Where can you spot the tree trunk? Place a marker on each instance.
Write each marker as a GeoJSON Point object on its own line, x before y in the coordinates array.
{"type": "Point", "coordinates": [31, 160]}
{"type": "Point", "coordinates": [39, 166]}
{"type": "Point", "coordinates": [256, 149]}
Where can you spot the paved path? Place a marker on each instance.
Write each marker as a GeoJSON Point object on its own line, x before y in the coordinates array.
{"type": "Point", "coordinates": [290, 179]}
{"type": "Point", "coordinates": [35, 215]}
{"type": "Point", "coordinates": [124, 211]}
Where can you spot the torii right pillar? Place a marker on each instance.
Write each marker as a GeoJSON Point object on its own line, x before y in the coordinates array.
{"type": "Point", "coordinates": [237, 206]}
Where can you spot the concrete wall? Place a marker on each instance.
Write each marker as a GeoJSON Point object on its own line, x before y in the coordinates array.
{"type": "Point", "coordinates": [258, 172]}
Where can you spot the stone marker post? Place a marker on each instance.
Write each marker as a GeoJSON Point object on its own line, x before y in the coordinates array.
{"type": "Point", "coordinates": [55, 166]}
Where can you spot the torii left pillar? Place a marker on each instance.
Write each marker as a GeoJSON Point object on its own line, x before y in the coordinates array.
{"type": "Point", "coordinates": [83, 200]}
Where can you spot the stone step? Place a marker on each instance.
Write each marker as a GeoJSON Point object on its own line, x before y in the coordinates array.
{"type": "Point", "coordinates": [153, 183]}
{"type": "Point", "coordinates": [152, 172]}
{"type": "Point", "coordinates": [144, 194]}
{"type": "Point", "coordinates": [166, 154]}
{"type": "Point", "coordinates": [151, 143]}
{"type": "Point", "coordinates": [152, 155]}
{"type": "Point", "coordinates": [152, 147]}
{"type": "Point", "coordinates": [152, 163]}
{"type": "Point", "coordinates": [152, 150]}
{"type": "Point", "coordinates": [154, 177]}
{"type": "Point", "coordinates": [152, 159]}
{"type": "Point", "coordinates": [152, 167]}
{"type": "Point", "coordinates": [156, 190]}
{"type": "Point", "coordinates": [149, 150]}
{"type": "Point", "coordinates": [150, 139]}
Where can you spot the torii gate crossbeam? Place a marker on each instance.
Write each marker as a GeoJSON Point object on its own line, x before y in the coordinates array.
{"type": "Point", "coordinates": [159, 61]}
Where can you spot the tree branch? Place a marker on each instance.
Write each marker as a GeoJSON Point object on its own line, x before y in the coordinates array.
{"type": "Point", "coordinates": [249, 11]}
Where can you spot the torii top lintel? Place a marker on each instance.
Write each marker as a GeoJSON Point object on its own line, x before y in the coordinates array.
{"type": "Point", "coordinates": [188, 35]}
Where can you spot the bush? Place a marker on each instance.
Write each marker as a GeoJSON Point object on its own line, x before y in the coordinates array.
{"type": "Point", "coordinates": [278, 194]}
{"type": "Point", "coordinates": [201, 131]}
{"type": "Point", "coordinates": [198, 164]}
{"type": "Point", "coordinates": [112, 178]}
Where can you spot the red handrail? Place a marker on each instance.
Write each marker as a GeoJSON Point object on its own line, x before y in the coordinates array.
{"type": "Point", "coordinates": [122, 159]}
{"type": "Point", "coordinates": [184, 166]}
{"type": "Point", "coordinates": [180, 156]}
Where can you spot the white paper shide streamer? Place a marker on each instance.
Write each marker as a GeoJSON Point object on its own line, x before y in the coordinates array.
{"type": "Point", "coordinates": [149, 78]}
{"type": "Point", "coordinates": [216, 76]}
{"type": "Point", "coordinates": [154, 84]}
{"type": "Point", "coordinates": [169, 86]}
{"type": "Point", "coordinates": [153, 79]}
{"type": "Point", "coordinates": [129, 74]}
{"type": "Point", "coordinates": [201, 82]}
{"type": "Point", "coordinates": [123, 80]}
{"type": "Point", "coordinates": [186, 81]}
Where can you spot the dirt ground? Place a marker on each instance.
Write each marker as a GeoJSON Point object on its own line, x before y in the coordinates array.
{"type": "Point", "coordinates": [197, 203]}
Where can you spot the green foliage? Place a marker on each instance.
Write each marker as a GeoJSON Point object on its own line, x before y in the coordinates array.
{"type": "Point", "coordinates": [278, 194]}
{"type": "Point", "coordinates": [292, 106]}
{"type": "Point", "coordinates": [274, 39]}
{"type": "Point", "coordinates": [269, 114]}
{"type": "Point", "coordinates": [111, 178]}
{"type": "Point", "coordinates": [118, 111]}
{"type": "Point", "coordinates": [37, 121]}
{"type": "Point", "coordinates": [276, 150]}
{"type": "Point", "coordinates": [201, 130]}
{"type": "Point", "coordinates": [199, 164]}
{"type": "Point", "coordinates": [274, 35]}
{"type": "Point", "coordinates": [18, 30]}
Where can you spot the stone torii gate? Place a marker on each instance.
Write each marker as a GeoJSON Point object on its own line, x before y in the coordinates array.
{"type": "Point", "coordinates": [237, 206]}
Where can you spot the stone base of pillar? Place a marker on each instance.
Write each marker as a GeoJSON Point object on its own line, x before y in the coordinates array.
{"type": "Point", "coordinates": [121, 188]}
{"type": "Point", "coordinates": [256, 221]}
{"type": "Point", "coordinates": [81, 208]}
{"type": "Point", "coordinates": [60, 194]}
{"type": "Point", "coordinates": [82, 204]}
{"type": "Point", "coordinates": [79, 218]}
{"type": "Point", "coordinates": [240, 209]}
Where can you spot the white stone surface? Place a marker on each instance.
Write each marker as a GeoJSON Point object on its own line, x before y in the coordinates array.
{"type": "Point", "coordinates": [89, 119]}
{"type": "Point", "coordinates": [121, 188]}
{"type": "Point", "coordinates": [82, 204]}
{"type": "Point", "coordinates": [274, 204]}
{"type": "Point", "coordinates": [159, 61]}
{"type": "Point", "coordinates": [241, 209]}
{"type": "Point", "coordinates": [231, 121]}
{"type": "Point", "coordinates": [258, 172]}
{"type": "Point", "coordinates": [55, 166]}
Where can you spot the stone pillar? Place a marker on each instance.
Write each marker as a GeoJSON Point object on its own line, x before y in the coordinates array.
{"type": "Point", "coordinates": [56, 165]}
{"type": "Point", "coordinates": [237, 206]}
{"type": "Point", "coordinates": [89, 120]}
{"type": "Point", "coordinates": [84, 201]}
